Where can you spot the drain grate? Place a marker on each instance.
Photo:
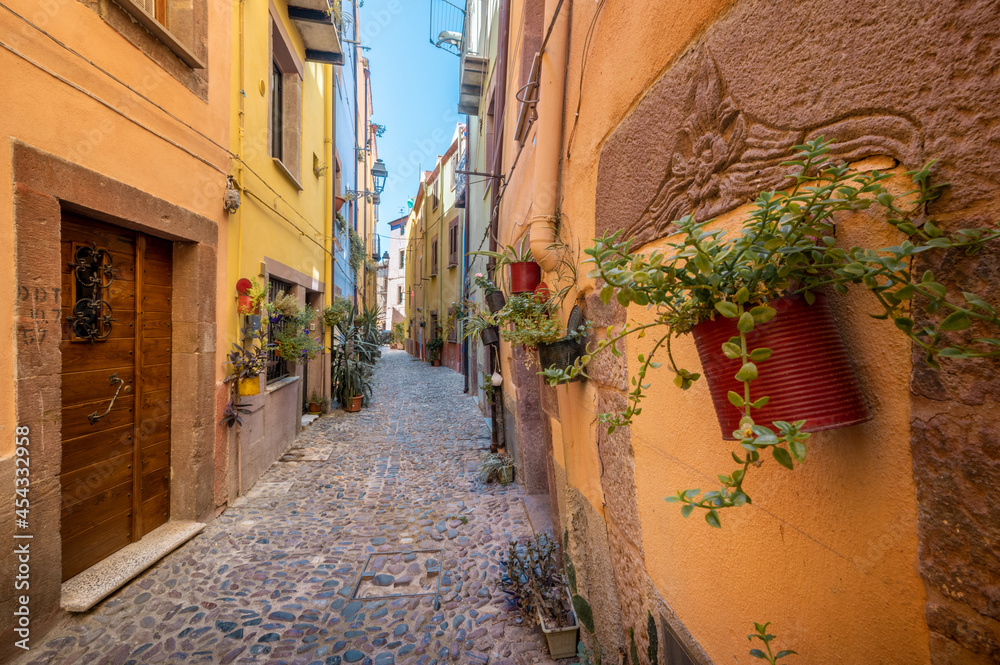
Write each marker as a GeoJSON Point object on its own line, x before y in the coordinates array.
{"type": "Point", "coordinates": [400, 574]}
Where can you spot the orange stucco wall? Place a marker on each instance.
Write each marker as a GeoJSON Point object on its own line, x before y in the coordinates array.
{"type": "Point", "coordinates": [828, 553]}
{"type": "Point", "coordinates": [40, 110]}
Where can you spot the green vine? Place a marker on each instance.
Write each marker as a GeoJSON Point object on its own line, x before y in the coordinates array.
{"type": "Point", "coordinates": [357, 255]}
{"type": "Point", "coordinates": [787, 246]}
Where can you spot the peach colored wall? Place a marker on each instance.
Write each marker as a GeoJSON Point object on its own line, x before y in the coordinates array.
{"type": "Point", "coordinates": [828, 552]}
{"type": "Point", "coordinates": [44, 112]}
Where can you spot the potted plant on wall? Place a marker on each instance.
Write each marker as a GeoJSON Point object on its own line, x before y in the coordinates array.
{"type": "Point", "coordinates": [492, 296]}
{"type": "Point", "coordinates": [294, 341]}
{"type": "Point", "coordinates": [563, 353]}
{"type": "Point", "coordinates": [283, 305]}
{"type": "Point", "coordinates": [248, 360]}
{"type": "Point", "coordinates": [434, 347]}
{"type": "Point", "coordinates": [250, 296]}
{"type": "Point", "coordinates": [755, 304]}
{"type": "Point", "coordinates": [525, 274]}
{"type": "Point", "coordinates": [538, 587]}
{"type": "Point", "coordinates": [337, 313]}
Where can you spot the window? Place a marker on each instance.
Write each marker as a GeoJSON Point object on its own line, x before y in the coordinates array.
{"type": "Point", "coordinates": [434, 201]}
{"type": "Point", "coordinates": [175, 35]}
{"type": "Point", "coordinates": [453, 239]}
{"type": "Point", "coordinates": [277, 367]}
{"type": "Point", "coordinates": [402, 258]}
{"type": "Point", "coordinates": [284, 138]}
{"type": "Point", "coordinates": [399, 295]}
{"type": "Point", "coordinates": [434, 257]}
{"type": "Point", "coordinates": [277, 110]}
{"type": "Point", "coordinates": [452, 165]}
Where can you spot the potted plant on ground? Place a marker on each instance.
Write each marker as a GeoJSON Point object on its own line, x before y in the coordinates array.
{"type": "Point", "coordinates": [434, 347]}
{"type": "Point", "coordinates": [537, 586]}
{"type": "Point", "coordinates": [754, 301]}
{"type": "Point", "coordinates": [317, 403]}
{"type": "Point", "coordinates": [351, 376]}
{"type": "Point", "coordinates": [398, 336]}
{"type": "Point", "coordinates": [496, 467]}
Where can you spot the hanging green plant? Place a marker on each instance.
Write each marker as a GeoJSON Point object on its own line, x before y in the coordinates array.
{"type": "Point", "coordinates": [293, 340]}
{"type": "Point", "coordinates": [337, 313]}
{"type": "Point", "coordinates": [787, 247]}
{"type": "Point", "coordinates": [357, 256]}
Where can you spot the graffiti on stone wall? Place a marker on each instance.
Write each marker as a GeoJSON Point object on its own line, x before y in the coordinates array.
{"type": "Point", "coordinates": [40, 309]}
{"type": "Point", "coordinates": [723, 157]}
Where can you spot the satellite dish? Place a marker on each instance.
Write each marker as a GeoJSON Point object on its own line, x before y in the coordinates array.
{"type": "Point", "coordinates": [449, 37]}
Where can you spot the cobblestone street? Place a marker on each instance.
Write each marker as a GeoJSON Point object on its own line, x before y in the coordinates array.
{"type": "Point", "coordinates": [301, 569]}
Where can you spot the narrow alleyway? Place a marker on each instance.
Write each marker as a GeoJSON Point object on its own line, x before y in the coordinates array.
{"type": "Point", "coordinates": [279, 576]}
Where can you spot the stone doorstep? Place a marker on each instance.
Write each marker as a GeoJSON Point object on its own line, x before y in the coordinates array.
{"type": "Point", "coordinates": [93, 585]}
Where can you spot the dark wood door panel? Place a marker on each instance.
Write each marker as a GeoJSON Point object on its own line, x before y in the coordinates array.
{"type": "Point", "coordinates": [124, 264]}
{"type": "Point", "coordinates": [157, 273]}
{"type": "Point", "coordinates": [153, 430]}
{"type": "Point", "coordinates": [97, 508]}
{"type": "Point", "coordinates": [155, 457]}
{"type": "Point", "coordinates": [75, 422]}
{"type": "Point", "coordinates": [79, 484]}
{"type": "Point", "coordinates": [115, 472]}
{"type": "Point", "coordinates": [105, 236]}
{"type": "Point", "coordinates": [79, 387]}
{"type": "Point", "coordinates": [111, 354]}
{"type": "Point", "coordinates": [155, 351]}
{"type": "Point", "coordinates": [99, 542]}
{"type": "Point", "coordinates": [156, 325]}
{"type": "Point", "coordinates": [155, 511]}
{"type": "Point", "coordinates": [155, 298]}
{"type": "Point", "coordinates": [83, 450]}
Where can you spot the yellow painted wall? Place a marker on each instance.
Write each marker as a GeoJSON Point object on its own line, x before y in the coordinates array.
{"type": "Point", "coordinates": [276, 219]}
{"type": "Point", "coordinates": [39, 109]}
{"type": "Point", "coordinates": [828, 553]}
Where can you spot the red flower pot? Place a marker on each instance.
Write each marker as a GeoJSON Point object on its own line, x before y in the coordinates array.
{"type": "Point", "coordinates": [339, 201]}
{"type": "Point", "coordinates": [524, 276]}
{"type": "Point", "coordinates": [244, 305]}
{"type": "Point", "coordinates": [808, 377]}
{"type": "Point", "coordinates": [354, 405]}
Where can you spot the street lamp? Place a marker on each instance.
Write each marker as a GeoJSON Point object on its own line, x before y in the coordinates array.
{"type": "Point", "coordinates": [379, 174]}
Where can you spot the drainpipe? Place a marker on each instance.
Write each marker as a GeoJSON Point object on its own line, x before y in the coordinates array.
{"type": "Point", "coordinates": [548, 152]}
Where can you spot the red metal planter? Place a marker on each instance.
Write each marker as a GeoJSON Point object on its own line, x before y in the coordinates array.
{"type": "Point", "coordinates": [524, 276]}
{"type": "Point", "coordinates": [809, 376]}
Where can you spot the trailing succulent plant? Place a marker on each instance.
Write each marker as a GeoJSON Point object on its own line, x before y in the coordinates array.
{"type": "Point", "coordinates": [786, 246]}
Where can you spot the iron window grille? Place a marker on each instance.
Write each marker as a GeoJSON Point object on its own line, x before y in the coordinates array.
{"type": "Point", "coordinates": [277, 367]}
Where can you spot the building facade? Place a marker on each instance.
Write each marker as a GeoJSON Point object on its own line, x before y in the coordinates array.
{"type": "Point", "coordinates": [678, 109]}
{"type": "Point", "coordinates": [396, 287]}
{"type": "Point", "coordinates": [116, 133]}
{"type": "Point", "coordinates": [437, 241]}
{"type": "Point", "coordinates": [282, 234]}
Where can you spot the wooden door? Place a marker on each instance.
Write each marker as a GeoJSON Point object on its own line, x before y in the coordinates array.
{"type": "Point", "coordinates": [115, 389]}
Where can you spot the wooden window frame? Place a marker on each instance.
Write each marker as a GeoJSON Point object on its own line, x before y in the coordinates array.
{"type": "Point", "coordinates": [435, 250]}
{"type": "Point", "coordinates": [277, 110]}
{"type": "Point", "coordinates": [453, 243]}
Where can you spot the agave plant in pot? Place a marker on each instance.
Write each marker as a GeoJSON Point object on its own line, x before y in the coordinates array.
{"type": "Point", "coordinates": [351, 377]}
{"type": "Point", "coordinates": [537, 586]}
{"type": "Point", "coordinates": [756, 303]}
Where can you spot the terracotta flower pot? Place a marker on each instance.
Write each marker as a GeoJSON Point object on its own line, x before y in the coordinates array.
{"type": "Point", "coordinates": [340, 201]}
{"type": "Point", "coordinates": [524, 276]}
{"type": "Point", "coordinates": [808, 377]}
{"type": "Point", "coordinates": [354, 405]}
{"type": "Point", "coordinates": [315, 408]}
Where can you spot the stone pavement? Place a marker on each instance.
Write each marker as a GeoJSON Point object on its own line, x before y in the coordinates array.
{"type": "Point", "coordinates": [363, 505]}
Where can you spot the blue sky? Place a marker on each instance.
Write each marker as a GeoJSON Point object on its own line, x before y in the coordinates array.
{"type": "Point", "coordinates": [414, 93]}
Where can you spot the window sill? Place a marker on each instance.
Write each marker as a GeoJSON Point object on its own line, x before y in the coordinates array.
{"type": "Point", "coordinates": [288, 174]}
{"type": "Point", "coordinates": [281, 383]}
{"type": "Point", "coordinates": [161, 33]}
{"type": "Point", "coordinates": [453, 265]}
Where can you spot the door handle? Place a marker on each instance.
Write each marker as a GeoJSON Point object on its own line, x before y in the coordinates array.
{"type": "Point", "coordinates": [94, 417]}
